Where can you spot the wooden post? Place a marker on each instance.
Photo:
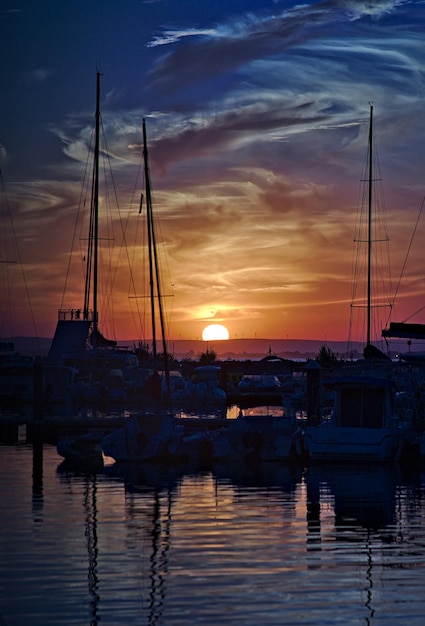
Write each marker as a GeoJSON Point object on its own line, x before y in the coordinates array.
{"type": "Point", "coordinates": [38, 393]}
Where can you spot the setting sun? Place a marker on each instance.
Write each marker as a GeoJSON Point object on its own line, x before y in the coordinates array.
{"type": "Point", "coordinates": [215, 332]}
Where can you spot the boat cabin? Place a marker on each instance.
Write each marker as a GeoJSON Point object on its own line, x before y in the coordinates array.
{"type": "Point", "coordinates": [362, 403]}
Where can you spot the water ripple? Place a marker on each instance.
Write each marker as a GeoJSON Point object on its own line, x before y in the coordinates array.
{"type": "Point", "coordinates": [165, 546]}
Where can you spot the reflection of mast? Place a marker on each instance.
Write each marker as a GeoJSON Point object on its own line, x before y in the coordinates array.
{"type": "Point", "coordinates": [90, 507]}
{"type": "Point", "coordinates": [159, 558]}
{"type": "Point", "coordinates": [37, 475]}
{"type": "Point", "coordinates": [156, 529]}
{"type": "Point", "coordinates": [314, 540]}
{"type": "Point", "coordinates": [368, 589]}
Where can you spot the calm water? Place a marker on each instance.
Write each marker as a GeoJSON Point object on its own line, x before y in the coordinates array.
{"type": "Point", "coordinates": [140, 545]}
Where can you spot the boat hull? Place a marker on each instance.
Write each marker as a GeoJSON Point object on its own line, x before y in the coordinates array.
{"type": "Point", "coordinates": [82, 451]}
{"type": "Point", "coordinates": [264, 438]}
{"type": "Point", "coordinates": [325, 442]}
{"type": "Point", "coordinates": [143, 438]}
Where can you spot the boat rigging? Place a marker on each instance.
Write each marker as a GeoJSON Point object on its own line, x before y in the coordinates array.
{"type": "Point", "coordinates": [370, 221]}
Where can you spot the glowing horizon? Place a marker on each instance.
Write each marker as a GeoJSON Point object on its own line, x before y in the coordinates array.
{"type": "Point", "coordinates": [256, 164]}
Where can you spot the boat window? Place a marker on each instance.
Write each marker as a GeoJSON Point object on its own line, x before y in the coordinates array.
{"type": "Point", "coordinates": [362, 408]}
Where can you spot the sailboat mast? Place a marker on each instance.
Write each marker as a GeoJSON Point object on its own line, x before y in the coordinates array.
{"type": "Point", "coordinates": [96, 210]}
{"type": "Point", "coordinates": [369, 235]}
{"type": "Point", "coordinates": [150, 238]}
{"type": "Point", "coordinates": [93, 238]}
{"type": "Point", "coordinates": [154, 273]}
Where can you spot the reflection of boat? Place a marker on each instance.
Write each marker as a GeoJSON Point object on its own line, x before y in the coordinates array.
{"type": "Point", "coordinates": [261, 433]}
{"type": "Point", "coordinates": [362, 495]}
{"type": "Point", "coordinates": [149, 504]}
{"type": "Point", "coordinates": [363, 523]}
{"type": "Point", "coordinates": [89, 484]}
{"type": "Point", "coordinates": [284, 476]}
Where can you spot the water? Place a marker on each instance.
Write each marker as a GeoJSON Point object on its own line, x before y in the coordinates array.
{"type": "Point", "coordinates": [145, 546]}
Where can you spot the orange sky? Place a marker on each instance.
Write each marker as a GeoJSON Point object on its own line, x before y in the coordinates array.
{"type": "Point", "coordinates": [256, 168]}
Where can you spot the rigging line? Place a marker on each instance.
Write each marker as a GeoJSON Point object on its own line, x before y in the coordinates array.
{"type": "Point", "coordinates": [164, 269]}
{"type": "Point", "coordinates": [357, 262]}
{"type": "Point", "coordinates": [415, 313]}
{"type": "Point", "coordinates": [136, 314]}
{"type": "Point", "coordinates": [112, 273]}
{"type": "Point", "coordinates": [110, 276]}
{"type": "Point", "coordinates": [123, 230]}
{"type": "Point", "coordinates": [80, 203]}
{"type": "Point", "coordinates": [383, 225]}
{"type": "Point", "coordinates": [18, 253]}
{"type": "Point", "coordinates": [138, 318]}
{"type": "Point", "coordinates": [406, 258]}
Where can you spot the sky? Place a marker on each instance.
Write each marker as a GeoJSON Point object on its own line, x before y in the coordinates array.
{"type": "Point", "coordinates": [257, 115]}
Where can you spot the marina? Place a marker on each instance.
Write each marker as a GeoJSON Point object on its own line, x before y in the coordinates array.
{"type": "Point", "coordinates": [161, 462]}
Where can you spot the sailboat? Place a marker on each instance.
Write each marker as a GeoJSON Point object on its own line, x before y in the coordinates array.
{"type": "Point", "coordinates": [146, 436]}
{"type": "Point", "coordinates": [369, 238]}
{"type": "Point", "coordinates": [365, 423]}
{"type": "Point", "coordinates": [155, 291]}
{"type": "Point", "coordinates": [102, 367]}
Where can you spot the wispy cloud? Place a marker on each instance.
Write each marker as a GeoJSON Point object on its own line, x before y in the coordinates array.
{"type": "Point", "coordinates": [9, 12]}
{"type": "Point", "coordinates": [172, 36]}
{"type": "Point", "coordinates": [257, 127]}
{"type": "Point", "coordinates": [38, 75]}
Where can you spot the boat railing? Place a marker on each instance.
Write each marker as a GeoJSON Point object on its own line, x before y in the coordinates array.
{"type": "Point", "coordinates": [76, 314]}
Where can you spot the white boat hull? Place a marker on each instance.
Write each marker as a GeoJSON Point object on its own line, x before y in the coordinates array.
{"type": "Point", "coordinates": [326, 442]}
{"type": "Point", "coordinates": [262, 439]}
{"type": "Point", "coordinates": [143, 438]}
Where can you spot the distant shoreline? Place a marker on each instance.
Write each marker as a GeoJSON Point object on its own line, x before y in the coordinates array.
{"type": "Point", "coordinates": [232, 349]}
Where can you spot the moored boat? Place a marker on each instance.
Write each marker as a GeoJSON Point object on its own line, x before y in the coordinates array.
{"type": "Point", "coordinates": [144, 437]}
{"type": "Point", "coordinates": [104, 372]}
{"type": "Point", "coordinates": [259, 434]}
{"type": "Point", "coordinates": [364, 424]}
{"type": "Point", "coordinates": [82, 450]}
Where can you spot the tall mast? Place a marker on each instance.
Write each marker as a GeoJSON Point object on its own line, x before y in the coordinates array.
{"type": "Point", "coordinates": [369, 234]}
{"type": "Point", "coordinates": [96, 210]}
{"type": "Point", "coordinates": [154, 273]}
{"type": "Point", "coordinates": [93, 240]}
{"type": "Point", "coordinates": [151, 238]}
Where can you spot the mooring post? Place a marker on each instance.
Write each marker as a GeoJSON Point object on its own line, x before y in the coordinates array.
{"type": "Point", "coordinates": [38, 394]}
{"type": "Point", "coordinates": [313, 392]}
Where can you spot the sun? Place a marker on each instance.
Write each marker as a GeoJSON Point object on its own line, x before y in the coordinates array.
{"type": "Point", "coordinates": [215, 332]}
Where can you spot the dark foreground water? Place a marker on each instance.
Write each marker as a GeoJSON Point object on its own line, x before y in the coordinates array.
{"type": "Point", "coordinates": [141, 545]}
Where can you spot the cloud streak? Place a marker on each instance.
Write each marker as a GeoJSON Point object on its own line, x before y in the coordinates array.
{"type": "Point", "coordinates": [257, 130]}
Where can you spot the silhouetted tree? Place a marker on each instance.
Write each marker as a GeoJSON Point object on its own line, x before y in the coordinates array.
{"type": "Point", "coordinates": [326, 357]}
{"type": "Point", "coordinates": [207, 357]}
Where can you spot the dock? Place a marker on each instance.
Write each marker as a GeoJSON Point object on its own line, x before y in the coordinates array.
{"type": "Point", "coordinates": [49, 429]}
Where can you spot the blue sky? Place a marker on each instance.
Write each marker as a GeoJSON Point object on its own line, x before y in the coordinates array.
{"type": "Point", "coordinates": [257, 116]}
